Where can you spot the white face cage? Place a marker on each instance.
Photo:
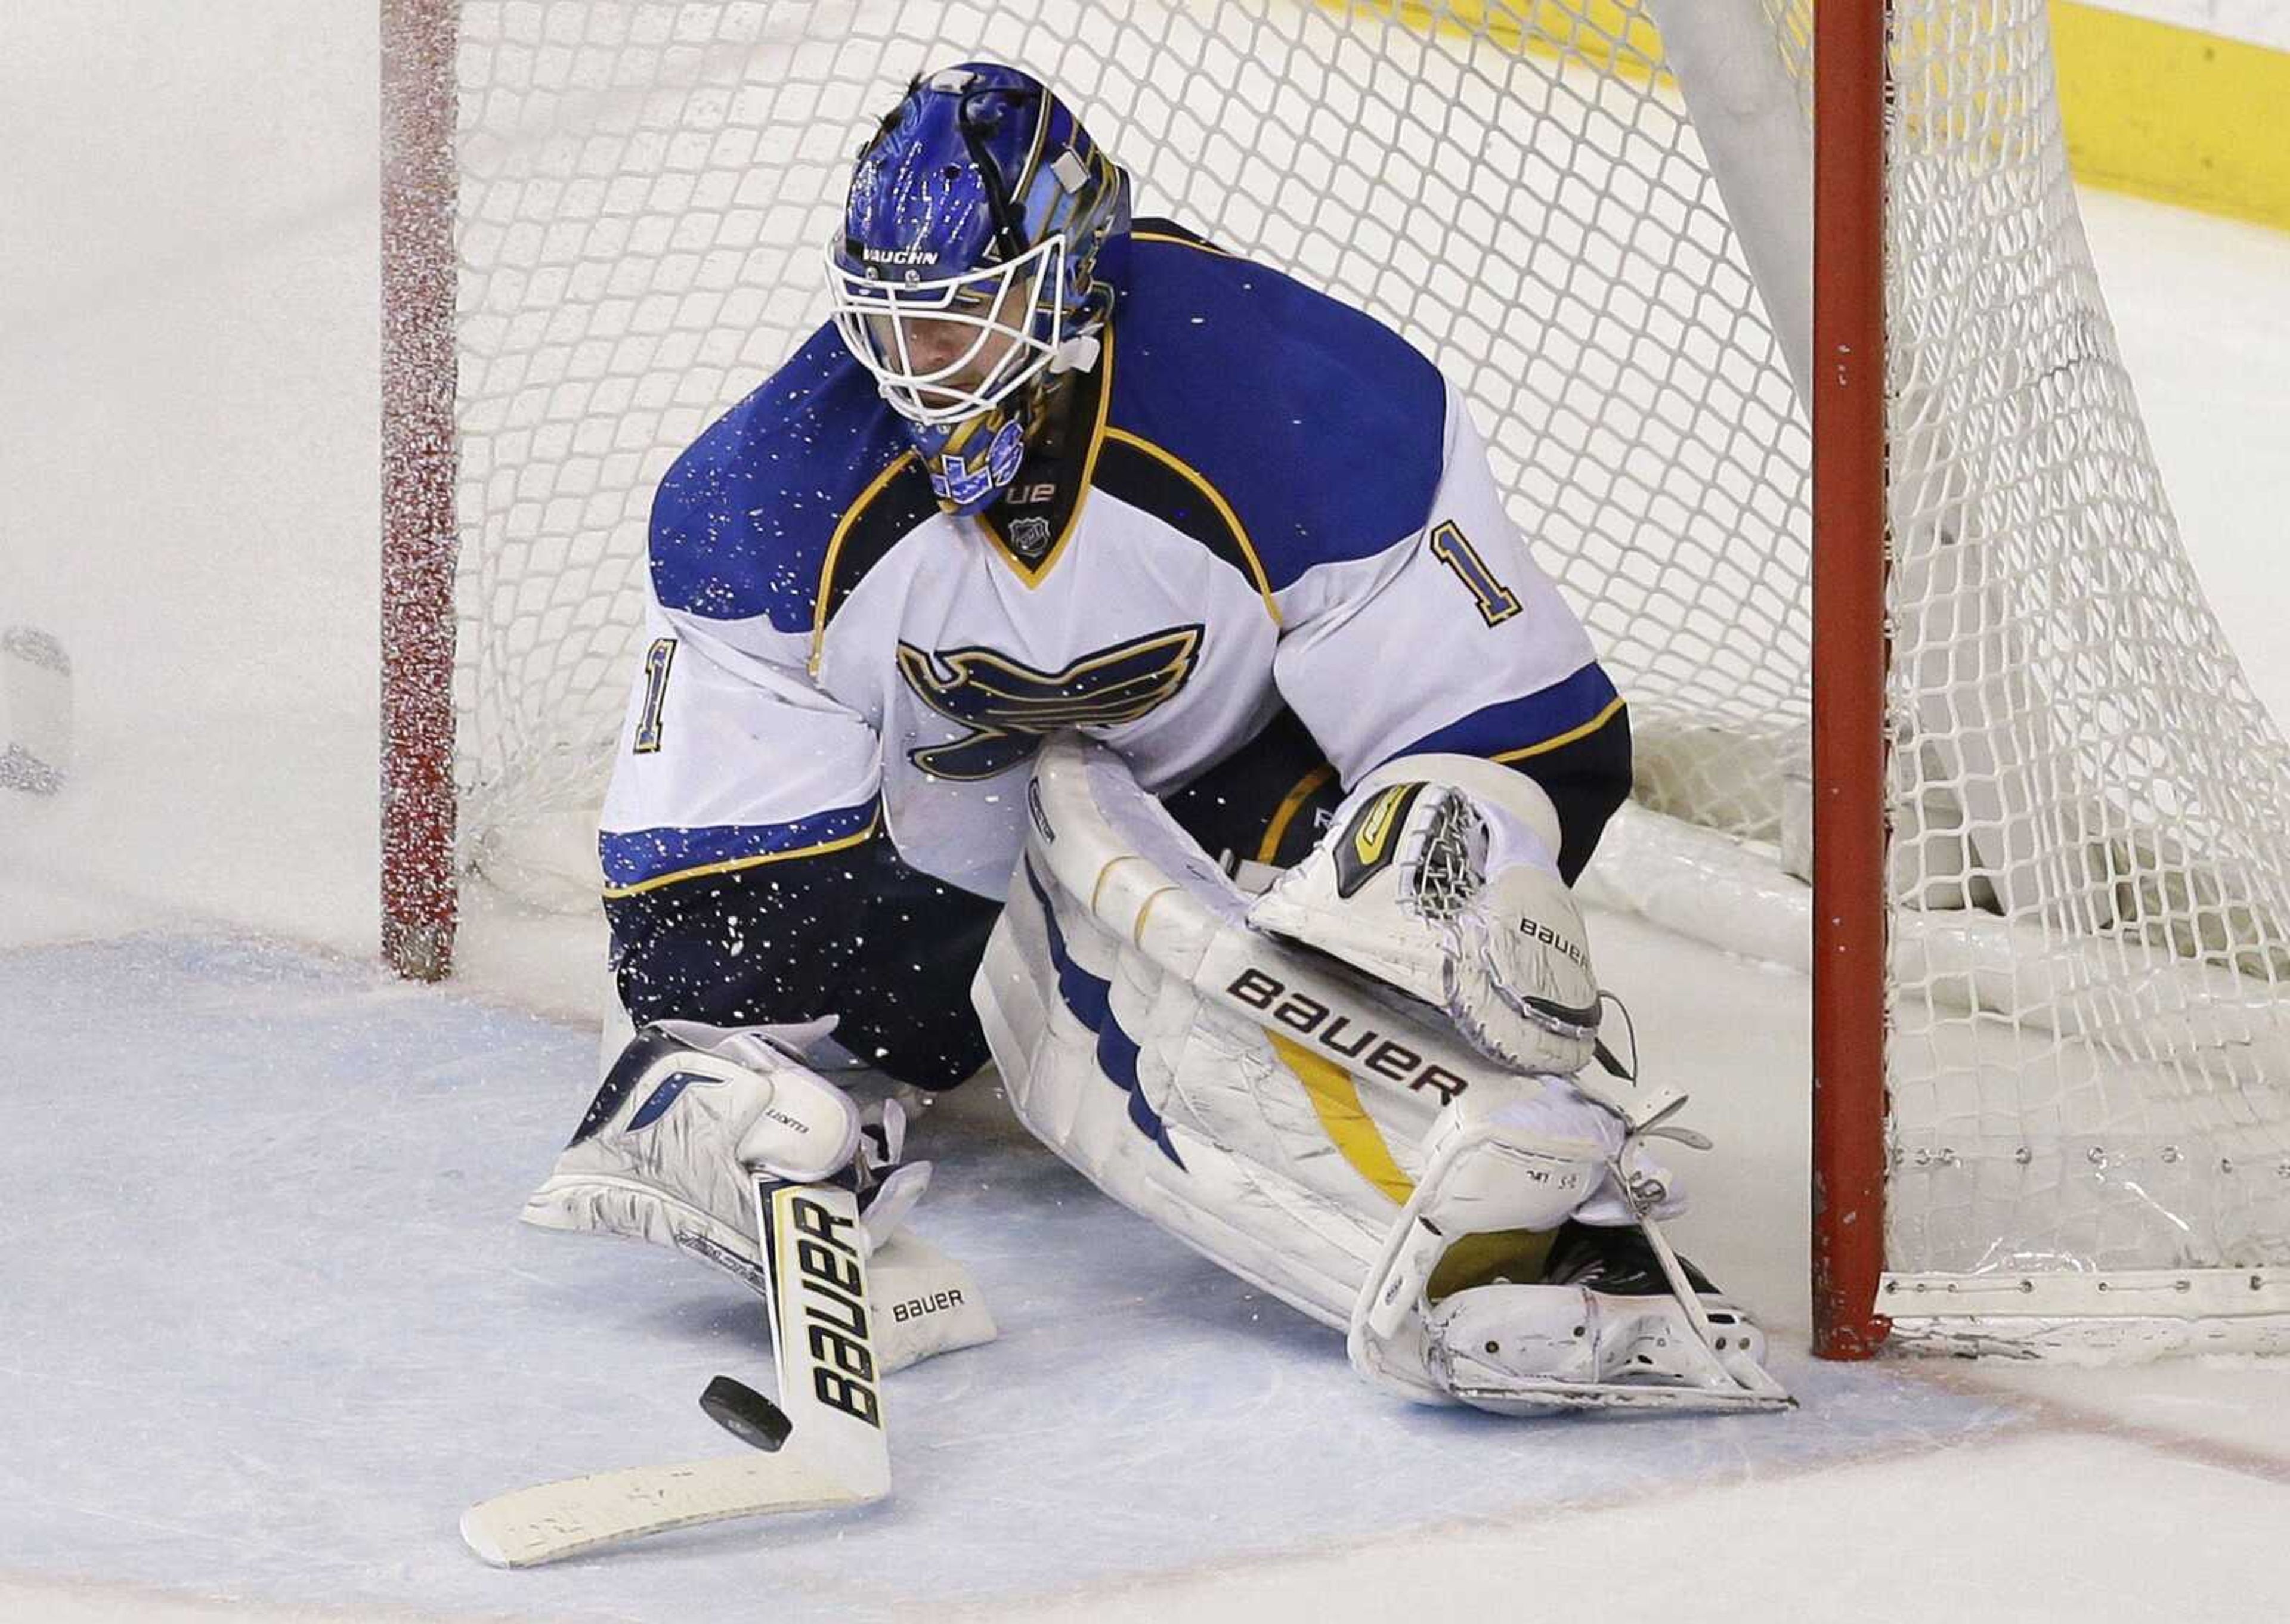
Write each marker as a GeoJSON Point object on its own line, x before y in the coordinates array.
{"type": "Point", "coordinates": [949, 348]}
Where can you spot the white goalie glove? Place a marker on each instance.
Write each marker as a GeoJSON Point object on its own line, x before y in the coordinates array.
{"type": "Point", "coordinates": [687, 1114]}
{"type": "Point", "coordinates": [1439, 875]}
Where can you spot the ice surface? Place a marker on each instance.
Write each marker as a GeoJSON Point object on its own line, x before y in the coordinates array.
{"type": "Point", "coordinates": [271, 1326]}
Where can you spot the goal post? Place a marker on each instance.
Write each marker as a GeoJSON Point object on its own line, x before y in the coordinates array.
{"type": "Point", "coordinates": [420, 525]}
{"type": "Point", "coordinates": [1828, 441]}
{"type": "Point", "coordinates": [1847, 403]}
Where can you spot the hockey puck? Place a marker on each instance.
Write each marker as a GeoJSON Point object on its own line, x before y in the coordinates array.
{"type": "Point", "coordinates": [746, 1414]}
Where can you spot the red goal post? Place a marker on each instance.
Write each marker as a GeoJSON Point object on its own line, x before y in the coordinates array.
{"type": "Point", "coordinates": [1850, 658]}
{"type": "Point", "coordinates": [420, 528]}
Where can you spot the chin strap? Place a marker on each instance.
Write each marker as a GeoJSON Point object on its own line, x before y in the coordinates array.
{"type": "Point", "coordinates": [1078, 354]}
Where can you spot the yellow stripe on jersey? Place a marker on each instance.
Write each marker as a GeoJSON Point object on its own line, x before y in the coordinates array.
{"type": "Point", "coordinates": [730, 864]}
{"type": "Point", "coordinates": [1291, 804]}
{"type": "Point", "coordinates": [1566, 737]}
{"type": "Point", "coordinates": [1215, 499]}
{"type": "Point", "coordinates": [881, 482]}
{"type": "Point", "coordinates": [1034, 574]}
{"type": "Point", "coordinates": [1182, 242]}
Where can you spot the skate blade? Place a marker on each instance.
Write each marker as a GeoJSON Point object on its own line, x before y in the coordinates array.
{"type": "Point", "coordinates": [1528, 1397]}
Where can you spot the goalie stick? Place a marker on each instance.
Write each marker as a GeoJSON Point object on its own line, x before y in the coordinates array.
{"type": "Point", "coordinates": [829, 1417]}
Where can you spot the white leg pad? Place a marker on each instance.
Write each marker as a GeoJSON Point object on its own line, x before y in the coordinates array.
{"type": "Point", "coordinates": [1267, 1107]}
{"type": "Point", "coordinates": [1310, 1131]}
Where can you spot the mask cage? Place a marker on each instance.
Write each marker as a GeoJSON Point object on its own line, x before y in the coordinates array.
{"type": "Point", "coordinates": [878, 322]}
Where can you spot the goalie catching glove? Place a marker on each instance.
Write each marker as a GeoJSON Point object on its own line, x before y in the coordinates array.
{"type": "Point", "coordinates": [685, 1116]}
{"type": "Point", "coordinates": [1439, 877]}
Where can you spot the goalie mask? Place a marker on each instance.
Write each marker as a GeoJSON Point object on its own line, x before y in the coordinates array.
{"type": "Point", "coordinates": [975, 264]}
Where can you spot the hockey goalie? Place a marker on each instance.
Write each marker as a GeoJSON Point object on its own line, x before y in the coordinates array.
{"type": "Point", "coordinates": [1104, 656]}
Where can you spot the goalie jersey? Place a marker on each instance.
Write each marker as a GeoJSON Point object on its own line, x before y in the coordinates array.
{"type": "Point", "coordinates": [1262, 501]}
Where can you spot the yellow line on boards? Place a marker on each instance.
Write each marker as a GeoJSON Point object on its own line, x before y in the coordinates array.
{"type": "Point", "coordinates": [2174, 115]}
{"type": "Point", "coordinates": [1605, 33]}
{"type": "Point", "coordinates": [2150, 108]}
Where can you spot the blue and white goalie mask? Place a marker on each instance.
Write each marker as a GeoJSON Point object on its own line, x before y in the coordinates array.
{"type": "Point", "coordinates": [977, 262]}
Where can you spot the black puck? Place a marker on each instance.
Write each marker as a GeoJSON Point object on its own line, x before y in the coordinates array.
{"type": "Point", "coordinates": [746, 1414]}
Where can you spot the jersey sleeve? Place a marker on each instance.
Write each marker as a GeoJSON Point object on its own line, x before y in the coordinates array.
{"type": "Point", "coordinates": [1454, 639]}
{"type": "Point", "coordinates": [731, 759]}
{"type": "Point", "coordinates": [748, 879]}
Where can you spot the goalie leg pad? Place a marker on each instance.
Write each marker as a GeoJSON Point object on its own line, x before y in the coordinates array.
{"type": "Point", "coordinates": [1268, 1108]}
{"type": "Point", "coordinates": [1306, 1129]}
{"type": "Point", "coordinates": [1186, 1119]}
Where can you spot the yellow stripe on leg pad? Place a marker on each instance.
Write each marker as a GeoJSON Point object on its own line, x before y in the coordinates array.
{"type": "Point", "coordinates": [1335, 1100]}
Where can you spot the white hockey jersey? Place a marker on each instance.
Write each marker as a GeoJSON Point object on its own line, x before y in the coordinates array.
{"type": "Point", "coordinates": [1278, 501]}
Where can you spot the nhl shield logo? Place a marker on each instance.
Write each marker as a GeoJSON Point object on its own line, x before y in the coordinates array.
{"type": "Point", "coordinates": [1030, 536]}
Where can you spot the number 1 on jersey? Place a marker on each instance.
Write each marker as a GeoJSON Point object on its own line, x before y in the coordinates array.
{"type": "Point", "coordinates": [1496, 602]}
{"type": "Point", "coordinates": [658, 658]}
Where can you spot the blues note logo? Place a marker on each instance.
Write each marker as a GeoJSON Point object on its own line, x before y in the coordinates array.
{"type": "Point", "coordinates": [1009, 708]}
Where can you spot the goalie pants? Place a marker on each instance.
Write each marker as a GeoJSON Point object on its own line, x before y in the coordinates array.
{"type": "Point", "coordinates": [891, 951]}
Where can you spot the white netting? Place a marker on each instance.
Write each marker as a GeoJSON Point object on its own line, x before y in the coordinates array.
{"type": "Point", "coordinates": [2118, 1100]}
{"type": "Point", "coordinates": [2088, 798]}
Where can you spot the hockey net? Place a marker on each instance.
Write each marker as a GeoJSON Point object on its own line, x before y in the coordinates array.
{"type": "Point", "coordinates": [2088, 1053]}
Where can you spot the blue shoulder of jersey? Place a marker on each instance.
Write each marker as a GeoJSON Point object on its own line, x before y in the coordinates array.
{"type": "Point", "coordinates": [1320, 427]}
{"type": "Point", "coordinates": [742, 523]}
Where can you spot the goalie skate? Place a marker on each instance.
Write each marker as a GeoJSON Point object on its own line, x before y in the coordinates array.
{"type": "Point", "coordinates": [1607, 1317]}
{"type": "Point", "coordinates": [1614, 1325]}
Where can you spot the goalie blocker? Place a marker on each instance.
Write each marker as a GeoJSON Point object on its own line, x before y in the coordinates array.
{"type": "Point", "coordinates": [1483, 1235]}
{"type": "Point", "coordinates": [688, 1113]}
